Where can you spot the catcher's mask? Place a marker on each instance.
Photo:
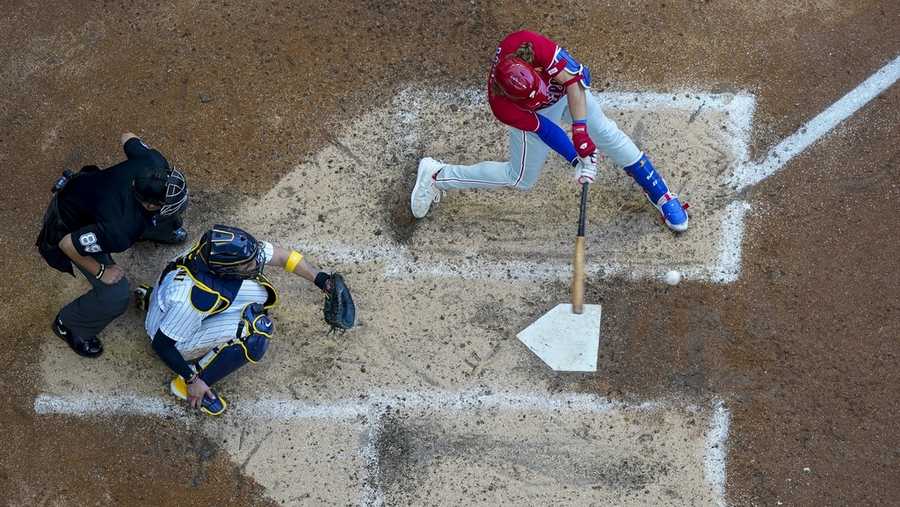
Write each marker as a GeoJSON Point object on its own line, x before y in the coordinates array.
{"type": "Point", "coordinates": [164, 187]}
{"type": "Point", "coordinates": [522, 83]}
{"type": "Point", "coordinates": [232, 253]}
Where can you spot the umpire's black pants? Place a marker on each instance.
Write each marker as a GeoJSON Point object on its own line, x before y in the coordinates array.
{"type": "Point", "coordinates": [90, 313]}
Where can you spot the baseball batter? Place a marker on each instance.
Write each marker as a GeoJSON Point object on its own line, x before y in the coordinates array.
{"type": "Point", "coordinates": [208, 315]}
{"type": "Point", "coordinates": [534, 85]}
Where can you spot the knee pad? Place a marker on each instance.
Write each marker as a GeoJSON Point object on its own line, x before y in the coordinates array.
{"type": "Point", "coordinates": [255, 320]}
{"type": "Point", "coordinates": [225, 359]}
{"type": "Point", "coordinates": [648, 178]}
{"type": "Point", "coordinates": [249, 346]}
{"type": "Point", "coordinates": [255, 347]}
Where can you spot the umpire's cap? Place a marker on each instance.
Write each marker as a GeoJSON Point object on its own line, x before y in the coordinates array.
{"type": "Point", "coordinates": [164, 187]}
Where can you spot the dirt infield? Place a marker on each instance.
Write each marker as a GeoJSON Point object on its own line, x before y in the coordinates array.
{"type": "Point", "coordinates": [802, 348]}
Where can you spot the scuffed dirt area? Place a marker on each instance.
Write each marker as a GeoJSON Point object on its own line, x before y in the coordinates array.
{"type": "Point", "coordinates": [803, 347]}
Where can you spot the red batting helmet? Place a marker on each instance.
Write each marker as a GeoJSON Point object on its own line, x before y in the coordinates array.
{"type": "Point", "coordinates": [521, 83]}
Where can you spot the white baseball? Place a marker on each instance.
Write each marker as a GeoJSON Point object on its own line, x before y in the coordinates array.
{"type": "Point", "coordinates": [672, 277]}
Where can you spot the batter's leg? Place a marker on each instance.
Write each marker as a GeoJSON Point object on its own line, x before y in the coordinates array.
{"type": "Point", "coordinates": [611, 141]}
{"type": "Point", "coordinates": [527, 154]}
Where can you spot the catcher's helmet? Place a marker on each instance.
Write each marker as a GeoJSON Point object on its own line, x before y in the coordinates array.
{"type": "Point", "coordinates": [164, 187]}
{"type": "Point", "coordinates": [521, 83]}
{"type": "Point", "coordinates": [230, 252]}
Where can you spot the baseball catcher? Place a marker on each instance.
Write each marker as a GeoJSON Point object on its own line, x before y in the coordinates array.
{"type": "Point", "coordinates": [209, 313]}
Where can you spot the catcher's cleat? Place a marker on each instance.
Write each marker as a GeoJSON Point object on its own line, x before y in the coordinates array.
{"type": "Point", "coordinates": [142, 297]}
{"type": "Point", "coordinates": [208, 406]}
{"type": "Point", "coordinates": [89, 346]}
{"type": "Point", "coordinates": [425, 193]}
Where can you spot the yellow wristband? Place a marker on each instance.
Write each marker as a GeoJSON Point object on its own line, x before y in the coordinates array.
{"type": "Point", "coordinates": [293, 260]}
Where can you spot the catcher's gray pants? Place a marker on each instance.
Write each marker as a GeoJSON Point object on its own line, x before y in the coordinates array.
{"type": "Point", "coordinates": [527, 152]}
{"type": "Point", "coordinates": [94, 310]}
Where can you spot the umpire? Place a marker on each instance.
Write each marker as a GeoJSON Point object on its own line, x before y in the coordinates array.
{"type": "Point", "coordinates": [94, 213]}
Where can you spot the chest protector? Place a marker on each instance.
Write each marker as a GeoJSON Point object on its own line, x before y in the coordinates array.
{"type": "Point", "coordinates": [212, 294]}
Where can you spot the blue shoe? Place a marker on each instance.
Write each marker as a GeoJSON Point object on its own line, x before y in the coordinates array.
{"type": "Point", "coordinates": [673, 212]}
{"type": "Point", "coordinates": [657, 192]}
{"type": "Point", "coordinates": [209, 406]}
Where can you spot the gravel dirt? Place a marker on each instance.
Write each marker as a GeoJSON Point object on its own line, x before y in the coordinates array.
{"type": "Point", "coordinates": [804, 346]}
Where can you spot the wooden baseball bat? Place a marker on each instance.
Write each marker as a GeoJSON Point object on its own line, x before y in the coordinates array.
{"type": "Point", "coordinates": [578, 261]}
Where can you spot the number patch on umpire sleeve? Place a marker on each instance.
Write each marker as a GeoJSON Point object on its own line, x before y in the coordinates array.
{"type": "Point", "coordinates": [88, 240]}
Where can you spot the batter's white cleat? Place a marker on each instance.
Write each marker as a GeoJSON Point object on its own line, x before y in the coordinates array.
{"type": "Point", "coordinates": [425, 193]}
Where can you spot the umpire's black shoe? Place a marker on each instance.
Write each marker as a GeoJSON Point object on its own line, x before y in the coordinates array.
{"type": "Point", "coordinates": [176, 237]}
{"type": "Point", "coordinates": [87, 347]}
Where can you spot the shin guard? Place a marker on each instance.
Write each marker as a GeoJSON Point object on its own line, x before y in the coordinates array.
{"type": "Point", "coordinates": [658, 193]}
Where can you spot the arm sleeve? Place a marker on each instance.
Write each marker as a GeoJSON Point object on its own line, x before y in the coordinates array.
{"type": "Point", "coordinates": [165, 349]}
{"type": "Point", "coordinates": [556, 138]}
{"type": "Point", "coordinates": [135, 148]}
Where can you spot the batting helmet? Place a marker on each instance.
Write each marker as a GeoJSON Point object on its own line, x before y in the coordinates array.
{"type": "Point", "coordinates": [164, 187]}
{"type": "Point", "coordinates": [521, 83]}
{"type": "Point", "coordinates": [230, 252]}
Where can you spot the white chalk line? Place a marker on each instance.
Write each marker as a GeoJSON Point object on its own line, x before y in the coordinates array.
{"type": "Point", "coordinates": [813, 130]}
{"type": "Point", "coordinates": [716, 451]}
{"type": "Point", "coordinates": [366, 412]}
{"type": "Point", "coordinates": [401, 263]}
{"type": "Point", "coordinates": [347, 410]}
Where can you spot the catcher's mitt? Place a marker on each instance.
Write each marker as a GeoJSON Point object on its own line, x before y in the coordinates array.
{"type": "Point", "coordinates": [339, 310]}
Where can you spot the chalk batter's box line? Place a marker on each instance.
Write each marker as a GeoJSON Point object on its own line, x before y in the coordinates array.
{"type": "Point", "coordinates": [400, 263]}
{"type": "Point", "coordinates": [373, 406]}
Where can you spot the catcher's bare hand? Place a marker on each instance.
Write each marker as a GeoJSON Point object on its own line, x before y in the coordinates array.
{"type": "Point", "coordinates": [197, 390]}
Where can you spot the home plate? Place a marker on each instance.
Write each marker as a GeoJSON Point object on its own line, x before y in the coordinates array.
{"type": "Point", "coordinates": [565, 341]}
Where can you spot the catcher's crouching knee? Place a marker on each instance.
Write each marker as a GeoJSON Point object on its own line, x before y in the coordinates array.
{"type": "Point", "coordinates": [256, 346]}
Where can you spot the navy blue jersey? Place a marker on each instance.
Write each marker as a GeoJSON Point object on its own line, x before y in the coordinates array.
{"type": "Point", "coordinates": [100, 208]}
